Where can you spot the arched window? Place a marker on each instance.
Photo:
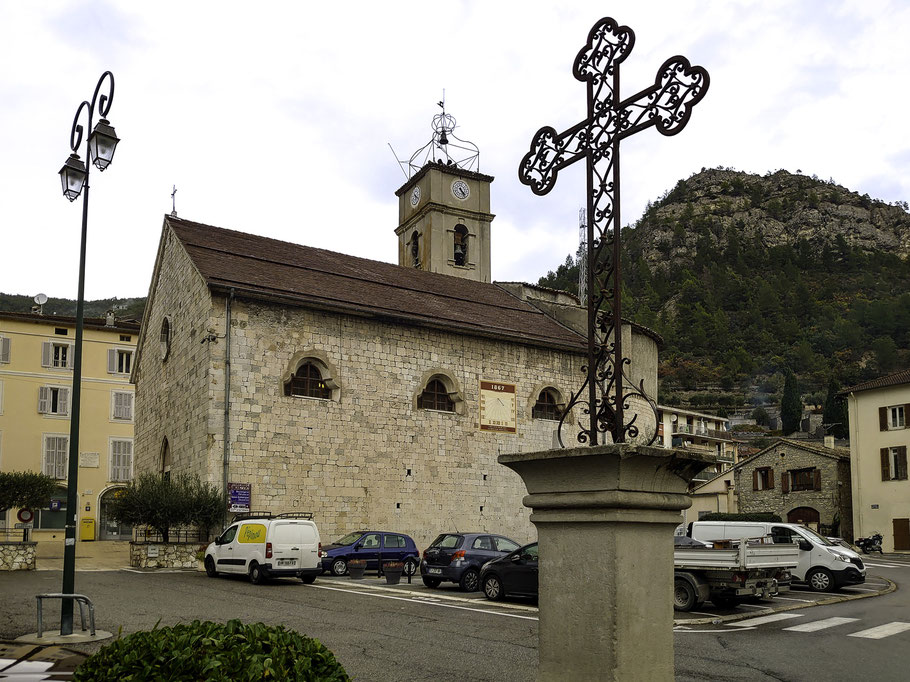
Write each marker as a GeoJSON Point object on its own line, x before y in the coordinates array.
{"type": "Point", "coordinates": [307, 382]}
{"type": "Point", "coordinates": [165, 459]}
{"type": "Point", "coordinates": [460, 246]}
{"type": "Point", "coordinates": [547, 405]}
{"type": "Point", "coordinates": [165, 338]}
{"type": "Point", "coordinates": [415, 248]}
{"type": "Point", "coordinates": [435, 397]}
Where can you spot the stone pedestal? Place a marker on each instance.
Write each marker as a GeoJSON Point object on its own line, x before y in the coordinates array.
{"type": "Point", "coordinates": [605, 518]}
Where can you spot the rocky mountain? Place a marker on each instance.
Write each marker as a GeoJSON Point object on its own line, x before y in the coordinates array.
{"type": "Point", "coordinates": [747, 276]}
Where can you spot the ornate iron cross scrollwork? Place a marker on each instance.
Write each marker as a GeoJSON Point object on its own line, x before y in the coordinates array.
{"type": "Point", "coordinates": [666, 105]}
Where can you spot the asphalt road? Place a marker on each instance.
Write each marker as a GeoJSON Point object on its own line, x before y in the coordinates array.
{"type": "Point", "coordinates": [380, 632]}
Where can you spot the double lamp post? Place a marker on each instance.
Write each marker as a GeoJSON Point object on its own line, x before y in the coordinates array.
{"type": "Point", "coordinates": [99, 150]}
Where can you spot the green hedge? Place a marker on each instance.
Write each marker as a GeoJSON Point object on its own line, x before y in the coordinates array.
{"type": "Point", "coordinates": [215, 652]}
{"type": "Point", "coordinates": [767, 517]}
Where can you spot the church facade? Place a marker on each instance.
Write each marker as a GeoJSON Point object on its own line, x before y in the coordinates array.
{"type": "Point", "coordinates": [371, 394]}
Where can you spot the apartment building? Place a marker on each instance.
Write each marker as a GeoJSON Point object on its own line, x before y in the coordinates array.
{"type": "Point", "coordinates": [36, 379]}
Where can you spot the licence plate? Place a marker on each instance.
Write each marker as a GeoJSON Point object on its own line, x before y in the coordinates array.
{"type": "Point", "coordinates": [434, 570]}
{"type": "Point", "coordinates": [287, 562]}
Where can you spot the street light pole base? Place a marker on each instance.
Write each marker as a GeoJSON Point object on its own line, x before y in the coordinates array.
{"type": "Point", "coordinates": [52, 637]}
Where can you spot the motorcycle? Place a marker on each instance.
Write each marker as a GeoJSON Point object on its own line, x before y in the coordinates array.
{"type": "Point", "coordinates": [873, 543]}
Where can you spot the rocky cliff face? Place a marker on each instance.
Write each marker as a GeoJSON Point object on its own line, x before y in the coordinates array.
{"type": "Point", "coordinates": [778, 209]}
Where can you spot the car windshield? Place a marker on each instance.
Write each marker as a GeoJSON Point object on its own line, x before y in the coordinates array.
{"type": "Point", "coordinates": [447, 541]}
{"type": "Point", "coordinates": [820, 539]}
{"type": "Point", "coordinates": [349, 539]}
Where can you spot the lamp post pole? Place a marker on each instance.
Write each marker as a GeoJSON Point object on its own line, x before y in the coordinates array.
{"type": "Point", "coordinates": [99, 149]}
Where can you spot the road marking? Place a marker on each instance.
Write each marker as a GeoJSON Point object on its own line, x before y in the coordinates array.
{"type": "Point", "coordinates": [808, 601]}
{"type": "Point", "coordinates": [423, 602]}
{"type": "Point", "coordinates": [761, 620]}
{"type": "Point", "coordinates": [886, 565]}
{"type": "Point", "coordinates": [862, 589]}
{"type": "Point", "coordinates": [882, 631]}
{"type": "Point", "coordinates": [814, 626]}
{"type": "Point", "coordinates": [711, 632]}
{"type": "Point", "coordinates": [440, 596]}
{"type": "Point", "coordinates": [754, 606]}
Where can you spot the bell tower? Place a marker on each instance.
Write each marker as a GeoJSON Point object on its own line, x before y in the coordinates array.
{"type": "Point", "coordinates": [444, 207]}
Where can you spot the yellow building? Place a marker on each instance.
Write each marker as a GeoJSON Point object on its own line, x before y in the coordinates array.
{"type": "Point", "coordinates": [36, 378]}
{"type": "Point", "coordinates": [879, 415]}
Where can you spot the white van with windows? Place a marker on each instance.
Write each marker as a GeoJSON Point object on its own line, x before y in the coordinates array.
{"type": "Point", "coordinates": [823, 565]}
{"type": "Point", "coordinates": [262, 545]}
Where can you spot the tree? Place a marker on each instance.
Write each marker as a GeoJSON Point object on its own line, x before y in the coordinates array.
{"type": "Point", "coordinates": [25, 490]}
{"type": "Point", "coordinates": [166, 503]}
{"type": "Point", "coordinates": [761, 417]}
{"type": "Point", "coordinates": [791, 406]}
{"type": "Point", "coordinates": [834, 415]}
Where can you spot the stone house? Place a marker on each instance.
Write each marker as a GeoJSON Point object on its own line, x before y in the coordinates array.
{"type": "Point", "coordinates": [879, 414]}
{"type": "Point", "coordinates": [801, 482]}
{"type": "Point", "coordinates": [372, 394]}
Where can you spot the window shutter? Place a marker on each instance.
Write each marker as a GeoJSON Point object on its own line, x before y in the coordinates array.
{"type": "Point", "coordinates": [44, 399]}
{"type": "Point", "coordinates": [818, 479]}
{"type": "Point", "coordinates": [770, 479]}
{"type": "Point", "coordinates": [785, 481]}
{"type": "Point", "coordinates": [62, 459]}
{"type": "Point", "coordinates": [886, 465]}
{"type": "Point", "coordinates": [63, 401]}
{"type": "Point", "coordinates": [906, 415]}
{"type": "Point", "coordinates": [50, 454]}
{"type": "Point", "coordinates": [755, 479]}
{"type": "Point", "coordinates": [118, 406]}
{"type": "Point", "coordinates": [4, 350]}
{"type": "Point", "coordinates": [111, 361]}
{"type": "Point", "coordinates": [47, 354]}
{"type": "Point", "coordinates": [127, 405]}
{"type": "Point", "coordinates": [901, 463]}
{"type": "Point", "coordinates": [70, 353]}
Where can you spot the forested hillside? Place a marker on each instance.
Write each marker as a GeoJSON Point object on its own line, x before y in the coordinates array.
{"type": "Point", "coordinates": [745, 276]}
{"type": "Point", "coordinates": [124, 308]}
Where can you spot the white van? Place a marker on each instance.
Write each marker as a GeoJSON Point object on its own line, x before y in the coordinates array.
{"type": "Point", "coordinates": [823, 565]}
{"type": "Point", "coordinates": [264, 545]}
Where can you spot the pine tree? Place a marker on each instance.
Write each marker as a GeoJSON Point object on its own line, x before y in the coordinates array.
{"type": "Point", "coordinates": [791, 406]}
{"type": "Point", "coordinates": [835, 412]}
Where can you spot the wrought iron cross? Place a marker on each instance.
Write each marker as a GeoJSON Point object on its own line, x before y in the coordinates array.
{"type": "Point", "coordinates": [665, 105]}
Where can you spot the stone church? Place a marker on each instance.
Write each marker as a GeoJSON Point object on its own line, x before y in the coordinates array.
{"type": "Point", "coordinates": [371, 394]}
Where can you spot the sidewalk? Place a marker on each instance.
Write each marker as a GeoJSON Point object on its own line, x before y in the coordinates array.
{"type": "Point", "coordinates": [22, 662]}
{"type": "Point", "coordinates": [97, 555]}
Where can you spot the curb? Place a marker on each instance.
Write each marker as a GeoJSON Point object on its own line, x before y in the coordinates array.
{"type": "Point", "coordinates": [892, 586]}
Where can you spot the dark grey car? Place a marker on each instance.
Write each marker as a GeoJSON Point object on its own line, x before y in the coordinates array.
{"type": "Point", "coordinates": [457, 558]}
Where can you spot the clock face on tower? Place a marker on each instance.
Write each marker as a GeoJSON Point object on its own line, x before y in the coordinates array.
{"type": "Point", "coordinates": [415, 196]}
{"type": "Point", "coordinates": [460, 189]}
{"type": "Point", "coordinates": [497, 407]}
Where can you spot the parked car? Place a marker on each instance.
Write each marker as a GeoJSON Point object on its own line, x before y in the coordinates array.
{"type": "Point", "coordinates": [265, 545]}
{"type": "Point", "coordinates": [513, 574]}
{"type": "Point", "coordinates": [458, 558]}
{"type": "Point", "coordinates": [373, 546]}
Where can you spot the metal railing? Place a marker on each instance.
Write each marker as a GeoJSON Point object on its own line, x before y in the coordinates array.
{"type": "Point", "coordinates": [15, 534]}
{"type": "Point", "coordinates": [188, 535]}
{"type": "Point", "coordinates": [80, 599]}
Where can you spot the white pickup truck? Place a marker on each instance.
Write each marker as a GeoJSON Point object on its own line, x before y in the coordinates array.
{"type": "Point", "coordinates": [736, 570]}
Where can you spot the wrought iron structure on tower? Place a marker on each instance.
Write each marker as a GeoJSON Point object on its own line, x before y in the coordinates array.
{"type": "Point", "coordinates": [444, 147]}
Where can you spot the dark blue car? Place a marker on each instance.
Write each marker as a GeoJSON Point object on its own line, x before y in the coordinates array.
{"type": "Point", "coordinates": [373, 546]}
{"type": "Point", "coordinates": [513, 574]}
{"type": "Point", "coordinates": [458, 557]}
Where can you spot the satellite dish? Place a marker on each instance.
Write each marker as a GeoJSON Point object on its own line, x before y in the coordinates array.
{"type": "Point", "coordinates": [41, 299]}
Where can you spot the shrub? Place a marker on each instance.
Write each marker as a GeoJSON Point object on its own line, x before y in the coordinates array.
{"type": "Point", "coordinates": [203, 650]}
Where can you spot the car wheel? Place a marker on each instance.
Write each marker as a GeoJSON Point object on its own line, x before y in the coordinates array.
{"type": "Point", "coordinates": [684, 596]}
{"type": "Point", "coordinates": [339, 567]}
{"type": "Point", "coordinates": [820, 580]}
{"type": "Point", "coordinates": [210, 567]}
{"type": "Point", "coordinates": [410, 567]}
{"type": "Point", "coordinates": [492, 587]}
{"type": "Point", "coordinates": [308, 579]}
{"type": "Point", "coordinates": [431, 582]}
{"type": "Point", "coordinates": [470, 581]}
{"type": "Point", "coordinates": [256, 575]}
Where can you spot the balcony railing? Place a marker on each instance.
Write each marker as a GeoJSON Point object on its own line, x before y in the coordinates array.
{"type": "Point", "coordinates": [699, 431]}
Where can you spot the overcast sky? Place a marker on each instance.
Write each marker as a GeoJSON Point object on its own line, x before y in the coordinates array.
{"type": "Point", "coordinates": [276, 117]}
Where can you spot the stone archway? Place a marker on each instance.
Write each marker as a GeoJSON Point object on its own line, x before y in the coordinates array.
{"type": "Point", "coordinates": [804, 515]}
{"type": "Point", "coordinates": [108, 528]}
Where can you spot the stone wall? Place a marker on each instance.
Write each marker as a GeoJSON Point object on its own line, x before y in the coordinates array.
{"type": "Point", "coordinates": [832, 500]}
{"type": "Point", "coordinates": [17, 556]}
{"type": "Point", "coordinates": [164, 555]}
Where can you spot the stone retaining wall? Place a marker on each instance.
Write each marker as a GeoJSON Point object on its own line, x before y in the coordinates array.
{"type": "Point", "coordinates": [164, 555]}
{"type": "Point", "coordinates": [17, 556]}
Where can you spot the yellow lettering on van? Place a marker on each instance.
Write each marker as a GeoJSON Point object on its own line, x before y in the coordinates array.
{"type": "Point", "coordinates": [252, 532]}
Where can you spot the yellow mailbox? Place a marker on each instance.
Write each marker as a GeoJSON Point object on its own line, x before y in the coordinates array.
{"type": "Point", "coordinates": [87, 529]}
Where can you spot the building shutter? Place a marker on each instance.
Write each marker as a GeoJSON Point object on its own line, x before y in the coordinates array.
{"type": "Point", "coordinates": [61, 458]}
{"type": "Point", "coordinates": [755, 479]}
{"type": "Point", "coordinates": [111, 361]}
{"type": "Point", "coordinates": [906, 415]}
{"type": "Point", "coordinates": [4, 350]}
{"type": "Point", "coordinates": [44, 399]}
{"type": "Point", "coordinates": [123, 405]}
{"type": "Point", "coordinates": [121, 460]}
{"type": "Point", "coordinates": [818, 479]}
{"type": "Point", "coordinates": [63, 401]}
{"type": "Point", "coordinates": [70, 356]}
{"type": "Point", "coordinates": [785, 481]}
{"type": "Point", "coordinates": [770, 479]}
{"type": "Point", "coordinates": [47, 354]}
{"type": "Point", "coordinates": [901, 463]}
{"type": "Point", "coordinates": [49, 457]}
{"type": "Point", "coordinates": [886, 465]}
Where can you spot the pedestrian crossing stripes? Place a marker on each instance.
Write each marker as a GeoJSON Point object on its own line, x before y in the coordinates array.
{"type": "Point", "coordinates": [761, 620]}
{"type": "Point", "coordinates": [821, 624]}
{"type": "Point", "coordinates": [877, 632]}
{"type": "Point", "coordinates": [882, 631]}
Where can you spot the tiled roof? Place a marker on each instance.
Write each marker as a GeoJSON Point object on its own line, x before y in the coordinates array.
{"type": "Point", "coordinates": [68, 321]}
{"type": "Point", "coordinates": [269, 269]}
{"type": "Point", "coordinates": [901, 377]}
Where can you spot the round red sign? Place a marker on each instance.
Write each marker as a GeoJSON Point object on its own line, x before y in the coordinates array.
{"type": "Point", "coordinates": [26, 515]}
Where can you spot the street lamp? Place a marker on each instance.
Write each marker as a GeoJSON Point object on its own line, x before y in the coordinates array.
{"type": "Point", "coordinates": [99, 149]}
